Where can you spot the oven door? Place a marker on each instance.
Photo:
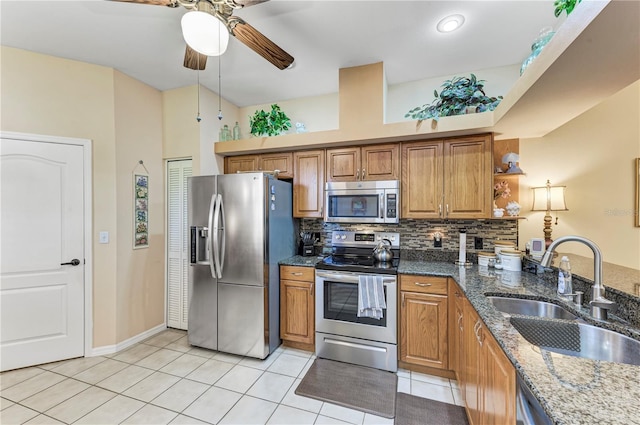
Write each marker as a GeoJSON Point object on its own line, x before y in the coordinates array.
{"type": "Point", "coordinates": [337, 308]}
{"type": "Point", "coordinates": [354, 206]}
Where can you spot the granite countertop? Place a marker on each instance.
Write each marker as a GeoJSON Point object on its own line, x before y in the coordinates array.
{"type": "Point", "coordinates": [572, 390]}
{"type": "Point", "coordinates": [299, 260]}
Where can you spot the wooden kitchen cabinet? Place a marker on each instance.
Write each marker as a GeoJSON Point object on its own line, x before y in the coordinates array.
{"type": "Point", "coordinates": [282, 161]}
{"type": "Point", "coordinates": [297, 307]}
{"type": "Point", "coordinates": [423, 321]}
{"type": "Point", "coordinates": [449, 178]}
{"type": "Point", "coordinates": [489, 380]}
{"type": "Point", "coordinates": [235, 164]}
{"type": "Point", "coordinates": [362, 163]}
{"type": "Point", "coordinates": [499, 389]}
{"type": "Point", "coordinates": [456, 329]}
{"type": "Point", "coordinates": [308, 183]}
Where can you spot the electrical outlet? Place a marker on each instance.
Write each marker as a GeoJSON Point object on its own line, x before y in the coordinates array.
{"type": "Point", "coordinates": [437, 240]}
{"type": "Point", "coordinates": [477, 243]}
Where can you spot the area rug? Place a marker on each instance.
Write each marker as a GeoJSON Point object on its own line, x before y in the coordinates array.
{"type": "Point", "coordinates": [356, 387]}
{"type": "Point", "coordinates": [412, 410]}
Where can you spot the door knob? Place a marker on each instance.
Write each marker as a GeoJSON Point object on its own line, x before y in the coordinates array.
{"type": "Point", "coordinates": [73, 262]}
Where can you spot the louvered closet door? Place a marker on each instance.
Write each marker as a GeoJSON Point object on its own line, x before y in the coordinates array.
{"type": "Point", "coordinates": [177, 244]}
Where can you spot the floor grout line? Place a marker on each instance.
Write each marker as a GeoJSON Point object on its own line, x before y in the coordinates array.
{"type": "Point", "coordinates": [406, 374]}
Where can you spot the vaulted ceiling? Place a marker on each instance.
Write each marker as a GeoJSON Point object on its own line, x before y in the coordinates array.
{"type": "Point", "coordinates": [145, 41]}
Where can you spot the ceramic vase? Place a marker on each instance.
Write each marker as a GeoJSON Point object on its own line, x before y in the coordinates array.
{"type": "Point", "coordinates": [513, 208]}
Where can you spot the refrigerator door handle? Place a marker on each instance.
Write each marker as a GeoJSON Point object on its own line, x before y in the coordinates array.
{"type": "Point", "coordinates": [210, 250]}
{"type": "Point", "coordinates": [218, 236]}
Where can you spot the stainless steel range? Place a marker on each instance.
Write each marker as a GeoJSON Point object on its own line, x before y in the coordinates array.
{"type": "Point", "coordinates": [340, 334]}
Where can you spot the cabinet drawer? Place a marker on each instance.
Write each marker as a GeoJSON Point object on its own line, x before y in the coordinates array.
{"type": "Point", "coordinates": [425, 284]}
{"type": "Point", "coordinates": [306, 274]}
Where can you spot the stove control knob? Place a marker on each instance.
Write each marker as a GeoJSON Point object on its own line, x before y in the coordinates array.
{"type": "Point", "coordinates": [343, 237]}
{"type": "Point", "coordinates": [337, 236]}
{"type": "Point", "coordinates": [379, 238]}
{"type": "Point", "coordinates": [393, 238]}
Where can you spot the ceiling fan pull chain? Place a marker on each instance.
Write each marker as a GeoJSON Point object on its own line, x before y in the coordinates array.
{"type": "Point", "coordinates": [219, 83]}
{"type": "Point", "coordinates": [198, 118]}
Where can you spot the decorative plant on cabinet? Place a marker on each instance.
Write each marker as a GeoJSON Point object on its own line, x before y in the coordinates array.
{"type": "Point", "coordinates": [457, 94]}
{"type": "Point", "coordinates": [270, 123]}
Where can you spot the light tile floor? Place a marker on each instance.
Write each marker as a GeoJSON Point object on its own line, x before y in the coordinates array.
{"type": "Point", "coordinates": [164, 380]}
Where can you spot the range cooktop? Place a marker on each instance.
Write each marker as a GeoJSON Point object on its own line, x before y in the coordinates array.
{"type": "Point", "coordinates": [353, 252]}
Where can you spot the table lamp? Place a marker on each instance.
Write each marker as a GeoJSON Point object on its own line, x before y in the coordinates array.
{"type": "Point", "coordinates": [549, 198]}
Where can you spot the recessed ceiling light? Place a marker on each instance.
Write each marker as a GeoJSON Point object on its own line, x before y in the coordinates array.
{"type": "Point", "coordinates": [450, 23]}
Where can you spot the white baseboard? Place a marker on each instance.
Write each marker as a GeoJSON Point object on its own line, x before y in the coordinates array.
{"type": "Point", "coordinates": [110, 349]}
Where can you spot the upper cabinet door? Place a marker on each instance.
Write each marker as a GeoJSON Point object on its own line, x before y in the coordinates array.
{"type": "Point", "coordinates": [308, 183]}
{"type": "Point", "coordinates": [235, 164]}
{"type": "Point", "coordinates": [278, 161]}
{"type": "Point", "coordinates": [422, 179]}
{"type": "Point", "coordinates": [380, 162]}
{"type": "Point", "coordinates": [372, 162]}
{"type": "Point", "coordinates": [468, 177]}
{"type": "Point", "coordinates": [343, 165]}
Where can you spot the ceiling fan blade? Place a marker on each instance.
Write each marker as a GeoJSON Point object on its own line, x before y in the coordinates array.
{"type": "Point", "coordinates": [260, 44]}
{"type": "Point", "coordinates": [170, 3]}
{"type": "Point", "coordinates": [247, 3]}
{"type": "Point", "coordinates": [194, 60]}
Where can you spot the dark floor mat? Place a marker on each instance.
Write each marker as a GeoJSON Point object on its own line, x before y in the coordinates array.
{"type": "Point", "coordinates": [356, 387]}
{"type": "Point", "coordinates": [412, 410]}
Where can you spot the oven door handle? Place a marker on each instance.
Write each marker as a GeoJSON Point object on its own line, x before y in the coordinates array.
{"type": "Point", "coordinates": [347, 278]}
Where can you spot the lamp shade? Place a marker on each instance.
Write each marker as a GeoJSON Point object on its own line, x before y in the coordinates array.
{"type": "Point", "coordinates": [549, 198]}
{"type": "Point", "coordinates": [510, 157]}
{"type": "Point", "coordinates": [204, 33]}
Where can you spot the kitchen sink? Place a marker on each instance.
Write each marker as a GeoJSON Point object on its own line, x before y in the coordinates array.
{"type": "Point", "coordinates": [579, 340]}
{"type": "Point", "coordinates": [527, 307]}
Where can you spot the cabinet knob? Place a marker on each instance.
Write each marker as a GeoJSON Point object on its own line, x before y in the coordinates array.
{"type": "Point", "coordinates": [296, 273]}
{"type": "Point", "coordinates": [422, 284]}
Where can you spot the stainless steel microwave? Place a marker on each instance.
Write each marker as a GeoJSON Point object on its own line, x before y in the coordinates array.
{"type": "Point", "coordinates": [362, 202]}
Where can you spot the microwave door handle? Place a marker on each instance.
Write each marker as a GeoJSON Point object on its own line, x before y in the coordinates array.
{"type": "Point", "coordinates": [382, 205]}
{"type": "Point", "coordinates": [219, 235]}
{"type": "Point", "coordinates": [209, 242]}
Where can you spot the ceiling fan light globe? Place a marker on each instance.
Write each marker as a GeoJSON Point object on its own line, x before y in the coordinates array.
{"type": "Point", "coordinates": [204, 33]}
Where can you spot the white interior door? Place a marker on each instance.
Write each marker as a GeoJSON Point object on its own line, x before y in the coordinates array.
{"type": "Point", "coordinates": [177, 244]}
{"type": "Point", "coordinates": [41, 227]}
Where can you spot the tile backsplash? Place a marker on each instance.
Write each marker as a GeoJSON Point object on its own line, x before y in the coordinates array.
{"type": "Point", "coordinates": [417, 235]}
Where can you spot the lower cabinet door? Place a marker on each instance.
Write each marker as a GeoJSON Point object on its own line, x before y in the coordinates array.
{"type": "Point", "coordinates": [499, 389]}
{"type": "Point", "coordinates": [297, 311]}
{"type": "Point", "coordinates": [423, 329]}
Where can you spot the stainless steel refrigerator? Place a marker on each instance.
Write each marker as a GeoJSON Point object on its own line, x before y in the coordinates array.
{"type": "Point", "coordinates": [241, 226]}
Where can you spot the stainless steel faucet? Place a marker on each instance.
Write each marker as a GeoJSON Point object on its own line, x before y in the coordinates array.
{"type": "Point", "coordinates": [599, 305]}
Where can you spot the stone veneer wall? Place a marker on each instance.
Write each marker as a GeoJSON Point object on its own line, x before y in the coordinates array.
{"type": "Point", "coordinates": [417, 235]}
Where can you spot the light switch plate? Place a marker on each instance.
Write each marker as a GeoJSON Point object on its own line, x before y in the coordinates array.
{"type": "Point", "coordinates": [104, 237]}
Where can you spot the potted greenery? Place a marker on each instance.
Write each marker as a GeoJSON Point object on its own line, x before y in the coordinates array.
{"type": "Point", "coordinates": [564, 5]}
{"type": "Point", "coordinates": [269, 123]}
{"type": "Point", "coordinates": [457, 94]}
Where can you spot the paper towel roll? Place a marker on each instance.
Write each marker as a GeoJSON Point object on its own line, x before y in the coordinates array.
{"type": "Point", "coordinates": [462, 257]}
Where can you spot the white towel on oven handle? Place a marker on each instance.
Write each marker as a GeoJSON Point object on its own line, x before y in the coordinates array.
{"type": "Point", "coordinates": [371, 296]}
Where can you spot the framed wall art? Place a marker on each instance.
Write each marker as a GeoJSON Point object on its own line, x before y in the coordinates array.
{"type": "Point", "coordinates": [637, 202]}
{"type": "Point", "coordinates": [140, 210]}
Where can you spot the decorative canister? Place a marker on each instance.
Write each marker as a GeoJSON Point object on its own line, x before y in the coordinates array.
{"type": "Point", "coordinates": [484, 257]}
{"type": "Point", "coordinates": [500, 245]}
{"type": "Point", "coordinates": [511, 260]}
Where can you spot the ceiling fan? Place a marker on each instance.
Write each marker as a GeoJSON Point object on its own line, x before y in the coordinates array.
{"type": "Point", "coordinates": [237, 27]}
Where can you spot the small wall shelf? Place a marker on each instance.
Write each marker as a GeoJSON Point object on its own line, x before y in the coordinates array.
{"type": "Point", "coordinates": [508, 174]}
